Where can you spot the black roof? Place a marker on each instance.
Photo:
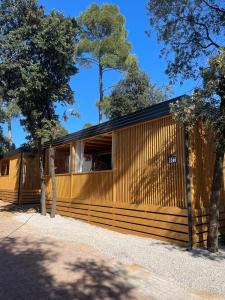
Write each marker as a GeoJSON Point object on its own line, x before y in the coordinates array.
{"type": "Point", "coordinates": [24, 149]}
{"type": "Point", "coordinates": [146, 114]}
{"type": "Point", "coordinates": [155, 111]}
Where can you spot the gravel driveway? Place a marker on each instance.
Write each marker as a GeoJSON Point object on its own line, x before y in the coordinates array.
{"type": "Point", "coordinates": [63, 258]}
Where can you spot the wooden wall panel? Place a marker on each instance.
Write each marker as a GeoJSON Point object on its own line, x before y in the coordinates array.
{"type": "Point", "coordinates": [167, 224]}
{"type": "Point", "coordinates": [9, 196]}
{"type": "Point", "coordinates": [201, 160]}
{"type": "Point", "coordinates": [143, 194]}
{"type": "Point", "coordinates": [142, 172]}
{"type": "Point", "coordinates": [95, 186]}
{"type": "Point", "coordinates": [11, 181]}
{"type": "Point", "coordinates": [200, 225]}
{"type": "Point", "coordinates": [31, 178]}
{"type": "Point", "coordinates": [9, 185]}
{"type": "Point", "coordinates": [63, 183]}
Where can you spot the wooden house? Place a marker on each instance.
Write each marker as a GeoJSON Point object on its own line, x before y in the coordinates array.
{"type": "Point", "coordinates": [138, 174]}
{"type": "Point", "coordinates": [19, 177]}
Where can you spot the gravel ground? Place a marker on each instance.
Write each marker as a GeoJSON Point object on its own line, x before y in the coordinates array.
{"type": "Point", "coordinates": [196, 270]}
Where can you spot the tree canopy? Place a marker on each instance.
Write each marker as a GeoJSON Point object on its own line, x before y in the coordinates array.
{"type": "Point", "coordinates": [192, 33]}
{"type": "Point", "coordinates": [132, 93]}
{"type": "Point", "coordinates": [44, 59]}
{"type": "Point", "coordinates": [37, 51]}
{"type": "Point", "coordinates": [103, 41]}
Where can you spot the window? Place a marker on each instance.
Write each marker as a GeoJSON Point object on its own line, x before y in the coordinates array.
{"type": "Point", "coordinates": [94, 154]}
{"type": "Point", "coordinates": [5, 167]}
{"type": "Point", "coordinates": [62, 159]}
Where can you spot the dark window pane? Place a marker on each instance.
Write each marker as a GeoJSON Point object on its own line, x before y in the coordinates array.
{"type": "Point", "coordinates": [5, 167]}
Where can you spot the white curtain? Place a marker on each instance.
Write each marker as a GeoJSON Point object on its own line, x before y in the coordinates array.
{"type": "Point", "coordinates": [24, 173]}
{"type": "Point", "coordinates": [79, 156]}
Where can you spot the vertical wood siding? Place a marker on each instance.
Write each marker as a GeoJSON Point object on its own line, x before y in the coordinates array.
{"type": "Point", "coordinates": [142, 172]}
{"type": "Point", "coordinates": [31, 178]}
{"type": "Point", "coordinates": [202, 158]}
{"type": "Point", "coordinates": [9, 185]}
{"type": "Point", "coordinates": [95, 186]}
{"type": "Point", "coordinates": [10, 182]}
{"type": "Point", "coordinates": [62, 186]}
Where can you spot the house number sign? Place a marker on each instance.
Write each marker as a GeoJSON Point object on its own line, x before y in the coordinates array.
{"type": "Point", "coordinates": [172, 159]}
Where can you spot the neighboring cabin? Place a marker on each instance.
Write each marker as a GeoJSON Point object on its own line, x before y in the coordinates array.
{"type": "Point", "coordinates": [136, 174]}
{"type": "Point", "coordinates": [19, 177]}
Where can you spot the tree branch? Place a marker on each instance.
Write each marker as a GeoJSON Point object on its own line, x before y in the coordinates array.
{"type": "Point", "coordinates": [88, 59]}
{"type": "Point", "coordinates": [214, 7]}
{"type": "Point", "coordinates": [112, 69]}
{"type": "Point", "coordinates": [207, 33]}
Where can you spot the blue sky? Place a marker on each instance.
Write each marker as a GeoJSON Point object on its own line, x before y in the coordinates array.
{"type": "Point", "coordinates": [85, 83]}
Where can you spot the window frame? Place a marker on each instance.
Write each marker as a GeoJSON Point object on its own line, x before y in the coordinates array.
{"type": "Point", "coordinates": [112, 152]}
{"type": "Point", "coordinates": [48, 160]}
{"type": "Point", "coordinates": [8, 167]}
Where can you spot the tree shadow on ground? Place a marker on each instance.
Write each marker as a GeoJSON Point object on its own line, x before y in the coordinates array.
{"type": "Point", "coordinates": [25, 274]}
{"type": "Point", "coordinates": [98, 281]}
{"type": "Point", "coordinates": [195, 252]}
{"type": "Point", "coordinates": [14, 208]}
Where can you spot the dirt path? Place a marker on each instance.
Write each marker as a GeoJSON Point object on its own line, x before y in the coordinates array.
{"type": "Point", "coordinates": [38, 266]}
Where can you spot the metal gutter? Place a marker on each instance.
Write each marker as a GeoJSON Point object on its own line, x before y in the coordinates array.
{"type": "Point", "coordinates": [24, 149]}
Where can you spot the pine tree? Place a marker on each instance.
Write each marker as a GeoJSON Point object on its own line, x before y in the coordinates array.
{"type": "Point", "coordinates": [103, 41]}
{"type": "Point", "coordinates": [133, 93]}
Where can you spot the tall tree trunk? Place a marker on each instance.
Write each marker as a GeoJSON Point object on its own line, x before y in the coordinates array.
{"type": "Point", "coordinates": [52, 170]}
{"type": "Point", "coordinates": [213, 232]}
{"type": "Point", "coordinates": [9, 121]}
{"type": "Point", "coordinates": [100, 92]}
{"type": "Point", "coordinates": [42, 179]}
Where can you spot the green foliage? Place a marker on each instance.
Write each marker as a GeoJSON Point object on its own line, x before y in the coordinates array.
{"type": "Point", "coordinates": [193, 35]}
{"type": "Point", "coordinates": [10, 110]}
{"type": "Point", "coordinates": [103, 41]}
{"type": "Point", "coordinates": [132, 93]}
{"type": "Point", "coordinates": [103, 37]}
{"type": "Point", "coordinates": [189, 30]}
{"type": "Point", "coordinates": [192, 31]}
{"type": "Point", "coordinates": [207, 103]}
{"type": "Point", "coordinates": [4, 144]}
{"type": "Point", "coordinates": [87, 125]}
{"type": "Point", "coordinates": [51, 129]}
{"type": "Point", "coordinates": [41, 48]}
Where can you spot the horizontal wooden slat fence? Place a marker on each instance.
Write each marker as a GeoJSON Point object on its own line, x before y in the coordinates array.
{"type": "Point", "coordinates": [166, 223]}
{"type": "Point", "coordinates": [200, 225]}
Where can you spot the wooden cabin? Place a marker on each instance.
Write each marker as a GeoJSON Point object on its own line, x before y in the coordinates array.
{"type": "Point", "coordinates": [138, 174]}
{"type": "Point", "coordinates": [19, 177]}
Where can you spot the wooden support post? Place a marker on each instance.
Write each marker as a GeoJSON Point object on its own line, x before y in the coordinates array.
{"type": "Point", "coordinates": [114, 165]}
{"type": "Point", "coordinates": [20, 178]}
{"type": "Point", "coordinates": [188, 191]}
{"type": "Point", "coordinates": [72, 166]}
